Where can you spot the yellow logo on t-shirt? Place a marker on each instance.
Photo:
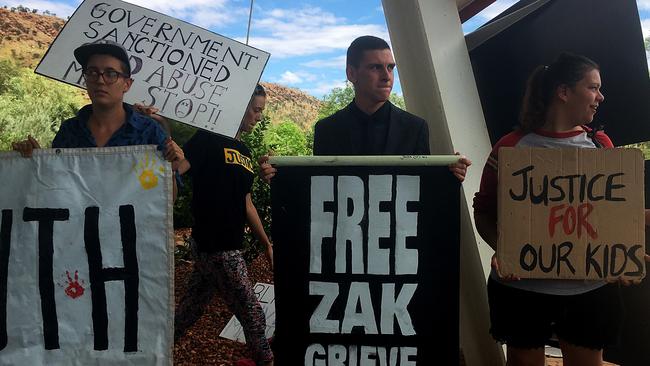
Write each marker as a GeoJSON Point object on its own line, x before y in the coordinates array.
{"type": "Point", "coordinates": [234, 157]}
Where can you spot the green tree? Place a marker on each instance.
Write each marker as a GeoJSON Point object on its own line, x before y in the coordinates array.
{"type": "Point", "coordinates": [181, 133]}
{"type": "Point", "coordinates": [260, 192]}
{"type": "Point", "coordinates": [287, 139]}
{"type": "Point", "coordinates": [32, 105]}
{"type": "Point", "coordinates": [338, 98]}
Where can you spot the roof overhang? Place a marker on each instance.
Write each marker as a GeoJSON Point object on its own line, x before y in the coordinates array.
{"type": "Point", "coordinates": [468, 8]}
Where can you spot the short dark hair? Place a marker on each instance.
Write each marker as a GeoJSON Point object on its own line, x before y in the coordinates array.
{"type": "Point", "coordinates": [362, 44]}
{"type": "Point", "coordinates": [567, 70]}
{"type": "Point", "coordinates": [259, 91]}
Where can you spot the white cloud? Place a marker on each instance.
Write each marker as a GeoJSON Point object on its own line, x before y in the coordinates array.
{"type": "Point", "coordinates": [203, 13]}
{"type": "Point", "coordinates": [334, 62]}
{"type": "Point", "coordinates": [293, 78]}
{"type": "Point", "coordinates": [60, 9]}
{"type": "Point", "coordinates": [321, 89]}
{"type": "Point", "coordinates": [643, 4]}
{"type": "Point", "coordinates": [307, 31]}
{"type": "Point", "coordinates": [645, 26]}
{"type": "Point", "coordinates": [289, 77]}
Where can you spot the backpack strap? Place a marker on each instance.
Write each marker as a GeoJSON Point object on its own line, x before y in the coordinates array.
{"type": "Point", "coordinates": [592, 135]}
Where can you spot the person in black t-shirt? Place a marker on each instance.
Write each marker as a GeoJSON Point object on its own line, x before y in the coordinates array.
{"type": "Point", "coordinates": [222, 175]}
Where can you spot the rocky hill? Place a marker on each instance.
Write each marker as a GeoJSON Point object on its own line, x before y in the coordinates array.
{"type": "Point", "coordinates": [289, 104]}
{"type": "Point", "coordinates": [26, 35]}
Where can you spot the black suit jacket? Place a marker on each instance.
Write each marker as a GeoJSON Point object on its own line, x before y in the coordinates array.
{"type": "Point", "coordinates": [336, 135]}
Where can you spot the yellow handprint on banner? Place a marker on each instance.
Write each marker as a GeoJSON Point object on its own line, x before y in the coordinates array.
{"type": "Point", "coordinates": [145, 170]}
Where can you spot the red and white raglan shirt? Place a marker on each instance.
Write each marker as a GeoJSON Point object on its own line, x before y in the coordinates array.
{"type": "Point", "coordinates": [485, 200]}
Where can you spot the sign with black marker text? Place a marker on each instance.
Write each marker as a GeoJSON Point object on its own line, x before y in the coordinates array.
{"type": "Point", "coordinates": [266, 297]}
{"type": "Point", "coordinates": [571, 213]}
{"type": "Point", "coordinates": [190, 74]}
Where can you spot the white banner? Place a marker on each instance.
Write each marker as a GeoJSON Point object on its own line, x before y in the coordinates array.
{"type": "Point", "coordinates": [192, 75]}
{"type": "Point", "coordinates": [86, 258]}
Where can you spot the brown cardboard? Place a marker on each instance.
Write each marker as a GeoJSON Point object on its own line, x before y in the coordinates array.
{"type": "Point", "coordinates": [599, 233]}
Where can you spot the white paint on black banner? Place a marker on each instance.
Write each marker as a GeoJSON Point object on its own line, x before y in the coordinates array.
{"type": "Point", "coordinates": [359, 252]}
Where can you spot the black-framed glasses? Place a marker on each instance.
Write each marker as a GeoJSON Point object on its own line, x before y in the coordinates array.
{"type": "Point", "coordinates": [110, 76]}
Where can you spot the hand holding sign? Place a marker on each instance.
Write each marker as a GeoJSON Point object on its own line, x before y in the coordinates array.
{"type": "Point", "coordinates": [494, 263]}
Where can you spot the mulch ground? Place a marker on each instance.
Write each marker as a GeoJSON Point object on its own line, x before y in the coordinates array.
{"type": "Point", "coordinates": [202, 345]}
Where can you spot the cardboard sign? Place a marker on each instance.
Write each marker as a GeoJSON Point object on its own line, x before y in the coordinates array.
{"type": "Point", "coordinates": [86, 259]}
{"type": "Point", "coordinates": [188, 73]}
{"type": "Point", "coordinates": [571, 213]}
{"type": "Point", "coordinates": [266, 296]}
{"type": "Point", "coordinates": [366, 265]}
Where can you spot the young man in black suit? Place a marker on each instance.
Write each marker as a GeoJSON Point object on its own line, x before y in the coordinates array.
{"type": "Point", "coordinates": [370, 124]}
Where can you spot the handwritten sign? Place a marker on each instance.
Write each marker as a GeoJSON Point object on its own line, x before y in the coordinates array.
{"type": "Point", "coordinates": [85, 257]}
{"type": "Point", "coordinates": [571, 213]}
{"type": "Point", "coordinates": [266, 296]}
{"type": "Point", "coordinates": [188, 73]}
{"type": "Point", "coordinates": [366, 265]}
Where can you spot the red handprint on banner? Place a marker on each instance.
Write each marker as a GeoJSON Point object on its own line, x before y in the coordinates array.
{"type": "Point", "coordinates": [74, 289]}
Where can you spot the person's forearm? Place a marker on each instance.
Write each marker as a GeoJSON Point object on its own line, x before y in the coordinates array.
{"type": "Point", "coordinates": [486, 225]}
{"type": "Point", "coordinates": [183, 166]}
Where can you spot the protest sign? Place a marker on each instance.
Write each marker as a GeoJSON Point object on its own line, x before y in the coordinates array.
{"type": "Point", "coordinates": [266, 296]}
{"type": "Point", "coordinates": [86, 259]}
{"type": "Point", "coordinates": [571, 213]}
{"type": "Point", "coordinates": [366, 263]}
{"type": "Point", "coordinates": [188, 73]}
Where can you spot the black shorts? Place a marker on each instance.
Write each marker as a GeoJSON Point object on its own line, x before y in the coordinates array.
{"type": "Point", "coordinates": [526, 319]}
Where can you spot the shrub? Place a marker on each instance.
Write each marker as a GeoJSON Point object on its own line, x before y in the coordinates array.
{"type": "Point", "coordinates": [20, 91]}
{"type": "Point", "coordinates": [286, 139]}
{"type": "Point", "coordinates": [338, 98]}
{"type": "Point", "coordinates": [260, 192]}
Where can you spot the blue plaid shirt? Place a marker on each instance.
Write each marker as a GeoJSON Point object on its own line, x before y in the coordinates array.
{"type": "Point", "coordinates": [138, 130]}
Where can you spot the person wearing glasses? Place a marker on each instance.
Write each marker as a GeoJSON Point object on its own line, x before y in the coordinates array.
{"type": "Point", "coordinates": [108, 121]}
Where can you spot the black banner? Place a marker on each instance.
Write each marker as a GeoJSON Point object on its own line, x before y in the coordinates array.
{"type": "Point", "coordinates": [366, 265]}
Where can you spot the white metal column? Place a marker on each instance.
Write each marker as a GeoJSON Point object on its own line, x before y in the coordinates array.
{"type": "Point", "coordinates": [438, 85]}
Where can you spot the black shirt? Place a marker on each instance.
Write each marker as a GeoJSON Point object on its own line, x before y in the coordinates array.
{"type": "Point", "coordinates": [341, 133]}
{"type": "Point", "coordinates": [222, 176]}
{"type": "Point", "coordinates": [375, 126]}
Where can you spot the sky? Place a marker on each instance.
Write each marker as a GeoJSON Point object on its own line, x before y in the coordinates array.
{"type": "Point", "coordinates": [307, 39]}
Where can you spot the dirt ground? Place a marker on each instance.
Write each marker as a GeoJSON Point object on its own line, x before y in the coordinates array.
{"type": "Point", "coordinates": [202, 344]}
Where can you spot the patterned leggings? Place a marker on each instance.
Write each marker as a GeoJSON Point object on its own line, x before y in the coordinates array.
{"type": "Point", "coordinates": [226, 270]}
